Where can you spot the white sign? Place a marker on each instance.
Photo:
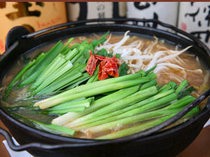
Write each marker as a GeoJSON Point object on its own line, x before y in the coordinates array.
{"type": "Point", "coordinates": [89, 10]}
{"type": "Point", "coordinates": [162, 11]}
{"type": "Point", "coordinates": [194, 18]}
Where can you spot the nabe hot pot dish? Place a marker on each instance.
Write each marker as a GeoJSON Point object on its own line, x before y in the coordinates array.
{"type": "Point", "coordinates": [167, 138]}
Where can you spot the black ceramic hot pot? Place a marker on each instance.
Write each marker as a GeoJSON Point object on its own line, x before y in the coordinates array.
{"type": "Point", "coordinates": [39, 143]}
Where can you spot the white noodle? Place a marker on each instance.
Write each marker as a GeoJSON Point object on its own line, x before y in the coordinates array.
{"type": "Point", "coordinates": [107, 41]}
{"type": "Point", "coordinates": [154, 60]}
{"type": "Point", "coordinates": [173, 55]}
{"type": "Point", "coordinates": [122, 41]}
{"type": "Point", "coordinates": [149, 49]}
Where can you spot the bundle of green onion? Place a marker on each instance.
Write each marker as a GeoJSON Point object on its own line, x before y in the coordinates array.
{"type": "Point", "coordinates": [61, 67]}
{"type": "Point", "coordinates": [135, 103]}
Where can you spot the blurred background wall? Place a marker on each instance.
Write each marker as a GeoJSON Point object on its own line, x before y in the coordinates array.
{"type": "Point", "coordinates": [192, 17]}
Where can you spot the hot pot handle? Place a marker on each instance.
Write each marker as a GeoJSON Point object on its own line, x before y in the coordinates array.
{"type": "Point", "coordinates": [10, 141]}
{"type": "Point", "coordinates": [23, 147]}
{"type": "Point", "coordinates": [15, 45]}
{"type": "Point", "coordinates": [28, 146]}
{"type": "Point", "coordinates": [17, 147]}
{"type": "Point", "coordinates": [15, 34]}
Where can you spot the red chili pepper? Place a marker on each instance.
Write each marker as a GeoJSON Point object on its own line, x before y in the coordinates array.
{"type": "Point", "coordinates": [91, 64]}
{"type": "Point", "coordinates": [100, 57]}
{"type": "Point", "coordinates": [107, 66]}
{"type": "Point", "coordinates": [102, 73]}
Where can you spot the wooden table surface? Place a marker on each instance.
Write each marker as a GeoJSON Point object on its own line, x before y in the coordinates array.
{"type": "Point", "coordinates": [199, 148]}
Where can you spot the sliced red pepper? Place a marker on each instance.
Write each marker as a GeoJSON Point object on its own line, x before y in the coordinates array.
{"type": "Point", "coordinates": [91, 64]}
{"type": "Point", "coordinates": [107, 66]}
{"type": "Point", "coordinates": [100, 57]}
{"type": "Point", "coordinates": [102, 75]}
